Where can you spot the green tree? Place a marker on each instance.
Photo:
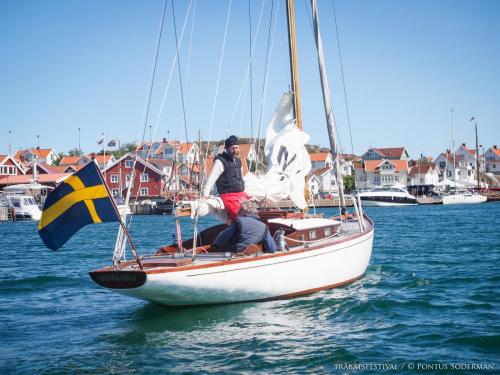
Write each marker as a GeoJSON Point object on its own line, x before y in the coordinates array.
{"type": "Point", "coordinates": [59, 158]}
{"type": "Point", "coordinates": [349, 184]}
{"type": "Point", "coordinates": [75, 152]}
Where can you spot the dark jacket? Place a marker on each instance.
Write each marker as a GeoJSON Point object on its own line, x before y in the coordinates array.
{"type": "Point", "coordinates": [231, 180]}
{"type": "Point", "coordinates": [247, 230]}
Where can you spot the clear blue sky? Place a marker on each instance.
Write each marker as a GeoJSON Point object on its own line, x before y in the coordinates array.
{"type": "Point", "coordinates": [68, 64]}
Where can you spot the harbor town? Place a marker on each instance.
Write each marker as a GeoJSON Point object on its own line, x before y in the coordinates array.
{"type": "Point", "coordinates": [167, 171]}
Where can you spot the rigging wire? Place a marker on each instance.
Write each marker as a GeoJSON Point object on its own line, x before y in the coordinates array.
{"type": "Point", "coordinates": [270, 43]}
{"type": "Point", "coordinates": [119, 251]}
{"type": "Point", "coordinates": [218, 76]}
{"type": "Point", "coordinates": [342, 73]}
{"type": "Point", "coordinates": [245, 77]}
{"type": "Point", "coordinates": [188, 68]}
{"type": "Point", "coordinates": [179, 71]}
{"type": "Point", "coordinates": [250, 58]}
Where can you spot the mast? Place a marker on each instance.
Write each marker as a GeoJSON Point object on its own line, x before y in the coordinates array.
{"type": "Point", "coordinates": [453, 145]}
{"type": "Point", "coordinates": [477, 155]}
{"type": "Point", "coordinates": [294, 72]}
{"type": "Point", "coordinates": [327, 103]}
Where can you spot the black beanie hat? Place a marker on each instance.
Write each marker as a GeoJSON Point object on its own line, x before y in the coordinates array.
{"type": "Point", "coordinates": [231, 141]}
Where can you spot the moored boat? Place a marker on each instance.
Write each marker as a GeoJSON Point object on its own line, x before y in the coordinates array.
{"type": "Point", "coordinates": [387, 196]}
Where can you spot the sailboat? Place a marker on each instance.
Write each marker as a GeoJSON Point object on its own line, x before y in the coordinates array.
{"type": "Point", "coordinates": [314, 253]}
{"type": "Point", "coordinates": [462, 196]}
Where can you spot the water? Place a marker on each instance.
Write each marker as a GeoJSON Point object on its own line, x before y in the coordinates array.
{"type": "Point", "coordinates": [429, 300]}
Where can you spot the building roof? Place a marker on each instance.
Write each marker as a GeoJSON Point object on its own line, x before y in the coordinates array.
{"type": "Point", "coordinates": [471, 151]}
{"type": "Point", "coordinates": [318, 156]}
{"type": "Point", "coordinates": [391, 152]}
{"type": "Point", "coordinates": [49, 178]}
{"type": "Point", "coordinates": [101, 159]}
{"type": "Point", "coordinates": [374, 165]}
{"type": "Point", "coordinates": [495, 150]}
{"type": "Point", "coordinates": [421, 169]}
{"type": "Point", "coordinates": [67, 160]}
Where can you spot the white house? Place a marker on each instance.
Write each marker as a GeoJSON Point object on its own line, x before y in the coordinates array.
{"type": "Point", "coordinates": [43, 155]}
{"type": "Point", "coordinates": [384, 172]}
{"type": "Point", "coordinates": [423, 175]}
{"type": "Point", "coordinates": [320, 160]}
{"type": "Point", "coordinates": [492, 160]}
{"type": "Point", "coordinates": [460, 167]}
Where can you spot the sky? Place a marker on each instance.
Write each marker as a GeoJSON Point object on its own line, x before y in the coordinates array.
{"type": "Point", "coordinates": [87, 64]}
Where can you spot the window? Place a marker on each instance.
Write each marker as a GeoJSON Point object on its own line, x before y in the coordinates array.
{"type": "Point", "coordinates": [8, 169]}
{"type": "Point", "coordinates": [327, 232]}
{"type": "Point", "coordinates": [448, 173]}
{"type": "Point", "coordinates": [144, 192]}
{"type": "Point", "coordinates": [421, 180]}
{"type": "Point", "coordinates": [312, 235]}
{"type": "Point", "coordinates": [144, 177]}
{"type": "Point", "coordinates": [169, 151]}
{"type": "Point", "coordinates": [129, 163]}
{"type": "Point", "coordinates": [127, 178]}
{"type": "Point", "coordinates": [114, 178]}
{"type": "Point", "coordinates": [114, 192]}
{"type": "Point", "coordinates": [442, 164]}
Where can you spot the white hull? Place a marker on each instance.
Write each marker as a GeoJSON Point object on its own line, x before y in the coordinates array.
{"type": "Point", "coordinates": [278, 276]}
{"type": "Point", "coordinates": [464, 199]}
{"type": "Point", "coordinates": [367, 203]}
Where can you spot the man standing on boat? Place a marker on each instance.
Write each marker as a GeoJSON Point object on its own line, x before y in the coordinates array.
{"type": "Point", "coordinates": [227, 175]}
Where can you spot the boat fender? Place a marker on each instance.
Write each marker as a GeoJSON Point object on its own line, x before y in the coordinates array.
{"type": "Point", "coordinates": [279, 239]}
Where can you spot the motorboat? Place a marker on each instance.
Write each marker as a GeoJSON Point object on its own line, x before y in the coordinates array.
{"type": "Point", "coordinates": [387, 196]}
{"type": "Point", "coordinates": [24, 207]}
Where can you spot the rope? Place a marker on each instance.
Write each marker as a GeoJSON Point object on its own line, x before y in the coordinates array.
{"type": "Point", "coordinates": [342, 73]}
{"type": "Point", "coordinates": [245, 78]}
{"type": "Point", "coordinates": [250, 58]}
{"type": "Point", "coordinates": [270, 44]}
{"type": "Point", "coordinates": [180, 75]}
{"type": "Point", "coordinates": [218, 76]}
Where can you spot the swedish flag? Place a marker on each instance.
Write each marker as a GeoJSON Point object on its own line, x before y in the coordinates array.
{"type": "Point", "coordinates": [80, 200]}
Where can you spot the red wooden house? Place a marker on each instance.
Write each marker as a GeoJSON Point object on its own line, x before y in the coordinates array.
{"type": "Point", "coordinates": [147, 182]}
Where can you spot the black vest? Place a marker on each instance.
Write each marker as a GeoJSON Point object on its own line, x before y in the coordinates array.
{"type": "Point", "coordinates": [231, 180]}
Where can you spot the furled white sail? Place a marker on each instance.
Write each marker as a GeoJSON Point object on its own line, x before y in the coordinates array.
{"type": "Point", "coordinates": [287, 159]}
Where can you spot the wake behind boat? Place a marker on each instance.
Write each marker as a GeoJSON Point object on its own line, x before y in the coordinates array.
{"type": "Point", "coordinates": [387, 196]}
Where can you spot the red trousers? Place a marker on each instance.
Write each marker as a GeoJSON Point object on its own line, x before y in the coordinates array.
{"type": "Point", "coordinates": [232, 202]}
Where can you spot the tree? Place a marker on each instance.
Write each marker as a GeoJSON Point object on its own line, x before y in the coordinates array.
{"type": "Point", "coordinates": [349, 184]}
{"type": "Point", "coordinates": [75, 152]}
{"type": "Point", "coordinates": [59, 158]}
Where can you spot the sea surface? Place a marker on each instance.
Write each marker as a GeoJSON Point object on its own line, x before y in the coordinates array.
{"type": "Point", "coordinates": [429, 303]}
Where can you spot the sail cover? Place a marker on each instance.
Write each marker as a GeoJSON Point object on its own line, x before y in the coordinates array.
{"type": "Point", "coordinates": [288, 161]}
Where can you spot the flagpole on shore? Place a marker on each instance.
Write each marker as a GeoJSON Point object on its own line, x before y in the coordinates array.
{"type": "Point", "coordinates": [123, 226]}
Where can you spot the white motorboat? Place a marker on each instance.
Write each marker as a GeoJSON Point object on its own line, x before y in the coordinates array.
{"type": "Point", "coordinates": [387, 196]}
{"type": "Point", "coordinates": [463, 197]}
{"type": "Point", "coordinates": [24, 206]}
